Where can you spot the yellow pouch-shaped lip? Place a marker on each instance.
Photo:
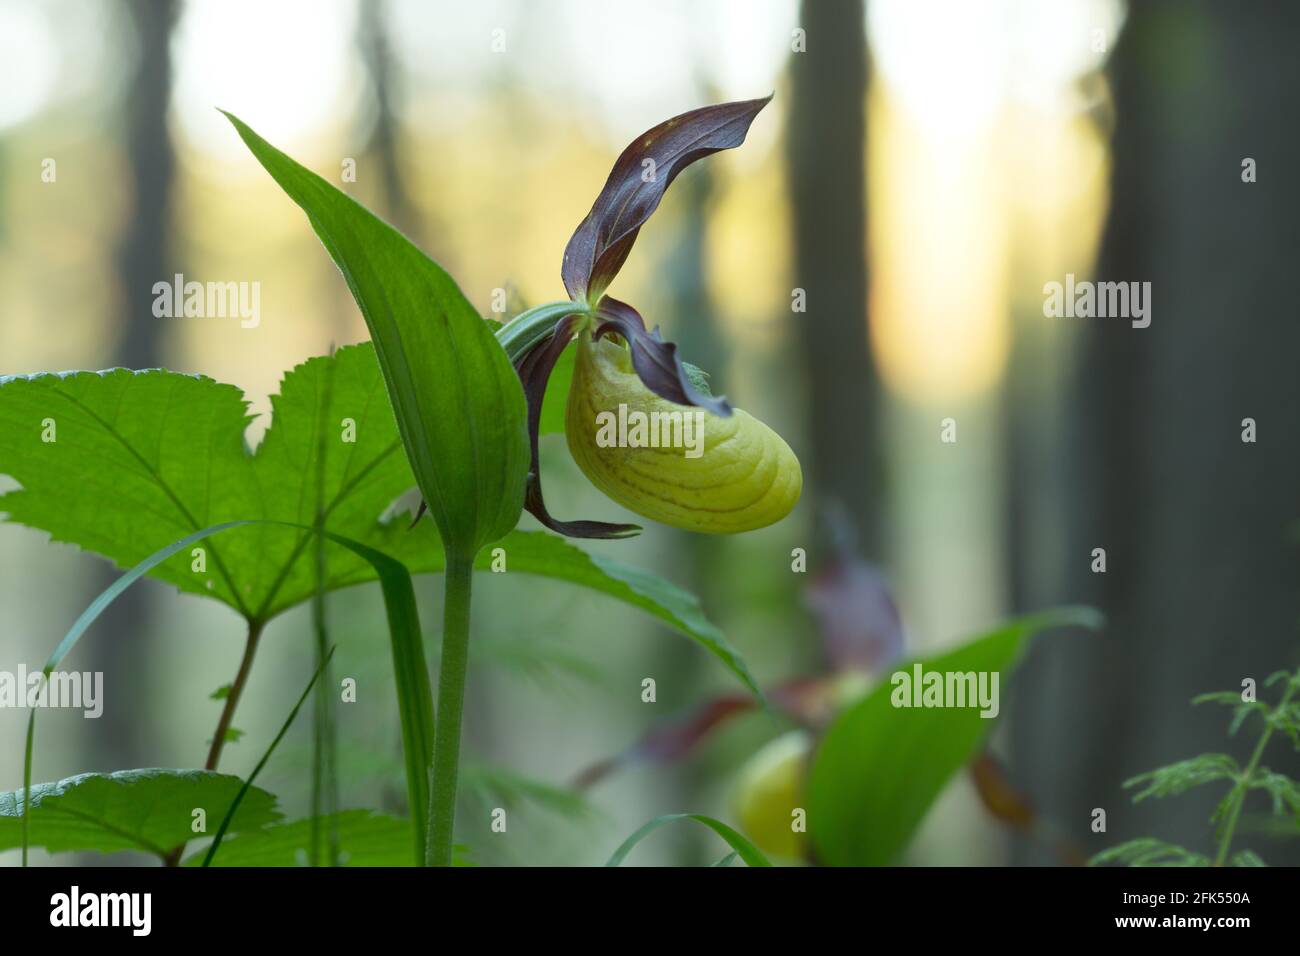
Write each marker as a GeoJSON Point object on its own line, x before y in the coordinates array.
{"type": "Point", "coordinates": [745, 475]}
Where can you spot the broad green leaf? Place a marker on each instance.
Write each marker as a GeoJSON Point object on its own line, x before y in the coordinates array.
{"type": "Point", "coordinates": [751, 854]}
{"type": "Point", "coordinates": [146, 810]}
{"type": "Point", "coordinates": [879, 767]}
{"type": "Point", "coordinates": [143, 459]}
{"type": "Point", "coordinates": [365, 838]}
{"type": "Point", "coordinates": [459, 405]}
{"type": "Point", "coordinates": [548, 555]}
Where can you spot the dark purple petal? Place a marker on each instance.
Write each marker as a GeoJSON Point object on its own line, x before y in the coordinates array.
{"type": "Point", "coordinates": [808, 700]}
{"type": "Point", "coordinates": [670, 741]}
{"type": "Point", "coordinates": [856, 616]}
{"type": "Point", "coordinates": [656, 361]}
{"type": "Point", "coordinates": [534, 370]}
{"type": "Point", "coordinates": [641, 175]}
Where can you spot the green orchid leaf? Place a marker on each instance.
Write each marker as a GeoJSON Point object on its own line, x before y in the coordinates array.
{"type": "Point", "coordinates": [880, 767]}
{"type": "Point", "coordinates": [150, 811]}
{"type": "Point", "coordinates": [459, 405]}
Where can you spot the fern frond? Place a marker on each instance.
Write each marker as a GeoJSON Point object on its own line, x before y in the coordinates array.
{"type": "Point", "coordinates": [1247, 858]}
{"type": "Point", "coordinates": [1185, 775]}
{"type": "Point", "coordinates": [1148, 851]}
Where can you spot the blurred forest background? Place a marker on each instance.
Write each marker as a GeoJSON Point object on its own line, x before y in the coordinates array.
{"type": "Point", "coordinates": [924, 169]}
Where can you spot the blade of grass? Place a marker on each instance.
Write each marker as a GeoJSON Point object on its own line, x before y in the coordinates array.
{"type": "Point", "coordinates": [411, 677]}
{"type": "Point", "coordinates": [751, 854]}
{"type": "Point", "coordinates": [284, 729]}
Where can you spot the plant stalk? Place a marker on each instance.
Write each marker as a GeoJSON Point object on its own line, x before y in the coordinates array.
{"type": "Point", "coordinates": [451, 703]}
{"type": "Point", "coordinates": [1242, 786]}
{"type": "Point", "coordinates": [227, 715]}
{"type": "Point", "coordinates": [232, 698]}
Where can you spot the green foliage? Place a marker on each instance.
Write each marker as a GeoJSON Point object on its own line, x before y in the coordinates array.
{"type": "Point", "coordinates": [144, 458]}
{"type": "Point", "coordinates": [365, 838]}
{"type": "Point", "coordinates": [140, 466]}
{"type": "Point", "coordinates": [492, 787]}
{"type": "Point", "coordinates": [228, 819]}
{"type": "Point", "coordinates": [751, 854]}
{"type": "Point", "coordinates": [411, 673]}
{"type": "Point", "coordinates": [1183, 776]}
{"type": "Point", "coordinates": [880, 767]}
{"type": "Point", "coordinates": [540, 553]}
{"type": "Point", "coordinates": [556, 400]}
{"type": "Point", "coordinates": [543, 661]}
{"type": "Point", "coordinates": [145, 810]}
{"type": "Point", "coordinates": [1178, 778]}
{"type": "Point", "coordinates": [1149, 851]}
{"type": "Point", "coordinates": [458, 402]}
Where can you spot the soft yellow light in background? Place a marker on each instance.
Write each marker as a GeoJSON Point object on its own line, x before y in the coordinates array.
{"type": "Point", "coordinates": [287, 68]}
{"type": "Point", "coordinates": [971, 139]}
{"type": "Point", "coordinates": [939, 258]}
{"type": "Point", "coordinates": [986, 178]}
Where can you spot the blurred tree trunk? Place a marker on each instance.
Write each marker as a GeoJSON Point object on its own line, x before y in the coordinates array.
{"type": "Point", "coordinates": [383, 145]}
{"type": "Point", "coordinates": [826, 151]}
{"type": "Point", "coordinates": [142, 259]}
{"type": "Point", "coordinates": [1201, 581]}
{"type": "Point", "coordinates": [379, 126]}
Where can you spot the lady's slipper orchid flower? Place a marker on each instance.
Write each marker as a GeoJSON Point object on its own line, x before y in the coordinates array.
{"type": "Point", "coordinates": [642, 425]}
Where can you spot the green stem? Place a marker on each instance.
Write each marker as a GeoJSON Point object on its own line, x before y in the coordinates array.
{"type": "Point", "coordinates": [451, 701]}
{"type": "Point", "coordinates": [528, 328]}
{"type": "Point", "coordinates": [173, 858]}
{"type": "Point", "coordinates": [232, 698]}
{"type": "Point", "coordinates": [1243, 783]}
